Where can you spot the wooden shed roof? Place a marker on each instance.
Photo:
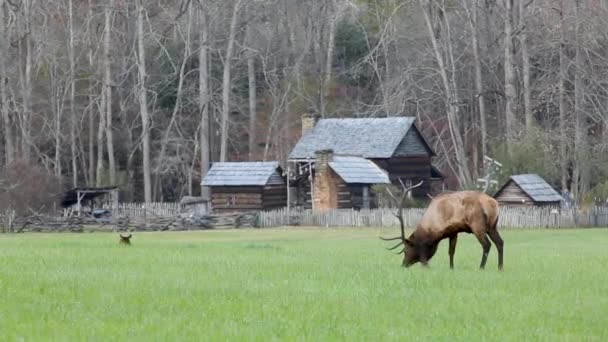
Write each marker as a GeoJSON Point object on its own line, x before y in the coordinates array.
{"type": "Point", "coordinates": [240, 173]}
{"type": "Point", "coordinates": [356, 170]}
{"type": "Point", "coordinates": [535, 187]}
{"type": "Point", "coordinates": [366, 137]}
{"type": "Point", "coordinates": [86, 193]}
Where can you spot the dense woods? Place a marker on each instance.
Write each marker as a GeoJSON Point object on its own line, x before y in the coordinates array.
{"type": "Point", "coordinates": [145, 94]}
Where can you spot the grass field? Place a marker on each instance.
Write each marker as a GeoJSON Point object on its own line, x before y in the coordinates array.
{"type": "Point", "coordinates": [299, 284]}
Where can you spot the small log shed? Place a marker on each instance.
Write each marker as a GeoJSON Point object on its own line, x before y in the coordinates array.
{"type": "Point", "coordinates": [78, 197]}
{"type": "Point", "coordinates": [246, 186]}
{"type": "Point", "coordinates": [527, 190]}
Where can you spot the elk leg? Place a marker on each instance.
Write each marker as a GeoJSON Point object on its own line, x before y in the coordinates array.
{"type": "Point", "coordinates": [453, 240]}
{"type": "Point", "coordinates": [485, 243]}
{"type": "Point", "coordinates": [493, 233]}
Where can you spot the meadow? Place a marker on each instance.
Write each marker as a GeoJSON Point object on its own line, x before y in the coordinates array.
{"type": "Point", "coordinates": [300, 284]}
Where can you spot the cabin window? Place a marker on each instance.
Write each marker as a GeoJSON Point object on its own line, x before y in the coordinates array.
{"type": "Point", "coordinates": [231, 200]}
{"type": "Point", "coordinates": [408, 183]}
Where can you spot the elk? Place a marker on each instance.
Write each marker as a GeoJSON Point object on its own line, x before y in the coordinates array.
{"type": "Point", "coordinates": [125, 240]}
{"type": "Point", "coordinates": [447, 215]}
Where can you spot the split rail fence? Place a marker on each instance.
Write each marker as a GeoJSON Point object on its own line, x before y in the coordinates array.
{"type": "Point", "coordinates": [509, 217]}
{"type": "Point", "coordinates": [143, 210]}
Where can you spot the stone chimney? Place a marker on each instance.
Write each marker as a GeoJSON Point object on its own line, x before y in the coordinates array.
{"type": "Point", "coordinates": [325, 192]}
{"type": "Point", "coordinates": [308, 122]}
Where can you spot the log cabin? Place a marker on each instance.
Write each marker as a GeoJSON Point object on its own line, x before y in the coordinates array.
{"type": "Point", "coordinates": [246, 186]}
{"type": "Point", "coordinates": [395, 144]}
{"type": "Point", "coordinates": [526, 191]}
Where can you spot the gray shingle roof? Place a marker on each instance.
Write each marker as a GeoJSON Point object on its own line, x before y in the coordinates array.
{"type": "Point", "coordinates": [358, 170]}
{"type": "Point", "coordinates": [240, 173]}
{"type": "Point", "coordinates": [536, 187]}
{"type": "Point", "coordinates": [368, 138]}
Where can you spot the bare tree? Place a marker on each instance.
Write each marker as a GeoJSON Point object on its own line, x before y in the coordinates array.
{"type": "Point", "coordinates": [25, 49]}
{"type": "Point", "coordinates": [203, 97]}
{"type": "Point", "coordinates": [91, 106]}
{"type": "Point", "coordinates": [446, 71]}
{"type": "Point", "coordinates": [101, 129]}
{"type": "Point", "coordinates": [226, 80]}
{"type": "Point", "coordinates": [510, 93]}
{"type": "Point", "coordinates": [72, 79]}
{"type": "Point", "coordinates": [143, 101]}
{"type": "Point", "coordinates": [107, 89]}
{"type": "Point", "coordinates": [252, 92]}
{"type": "Point", "coordinates": [581, 162]}
{"type": "Point", "coordinates": [562, 100]}
{"type": "Point", "coordinates": [525, 57]}
{"type": "Point", "coordinates": [480, 92]}
{"type": "Point", "coordinates": [329, 56]}
{"type": "Point", "coordinates": [8, 131]}
{"type": "Point", "coordinates": [180, 87]}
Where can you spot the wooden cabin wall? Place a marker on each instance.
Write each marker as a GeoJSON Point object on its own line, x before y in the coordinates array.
{"type": "Point", "coordinates": [414, 168]}
{"type": "Point", "coordinates": [349, 196]}
{"type": "Point", "coordinates": [274, 196]}
{"type": "Point", "coordinates": [344, 196]}
{"type": "Point", "coordinates": [512, 194]}
{"type": "Point", "coordinates": [236, 199]}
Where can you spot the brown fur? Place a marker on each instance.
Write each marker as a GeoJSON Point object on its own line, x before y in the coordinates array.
{"type": "Point", "coordinates": [448, 215]}
{"type": "Point", "coordinates": [125, 240]}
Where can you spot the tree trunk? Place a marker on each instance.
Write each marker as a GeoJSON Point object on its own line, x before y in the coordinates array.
{"type": "Point", "coordinates": [91, 105]}
{"type": "Point", "coordinates": [252, 97]}
{"type": "Point", "coordinates": [529, 118]}
{"type": "Point", "coordinates": [54, 100]}
{"type": "Point", "coordinates": [562, 101]}
{"type": "Point", "coordinates": [479, 89]}
{"type": "Point", "coordinates": [101, 128]}
{"type": "Point", "coordinates": [107, 65]}
{"type": "Point", "coordinates": [143, 102]}
{"type": "Point", "coordinates": [451, 100]}
{"type": "Point", "coordinates": [510, 94]}
{"type": "Point", "coordinates": [26, 83]}
{"type": "Point", "coordinates": [226, 82]}
{"type": "Point", "coordinates": [581, 158]}
{"type": "Point", "coordinates": [328, 61]}
{"type": "Point", "coordinates": [8, 130]}
{"type": "Point", "coordinates": [203, 98]}
{"type": "Point", "coordinates": [73, 117]}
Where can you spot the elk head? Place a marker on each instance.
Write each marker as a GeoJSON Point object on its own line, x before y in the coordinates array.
{"type": "Point", "coordinates": [412, 250]}
{"type": "Point", "coordinates": [125, 239]}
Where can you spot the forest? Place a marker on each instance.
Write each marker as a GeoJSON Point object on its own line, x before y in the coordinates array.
{"type": "Point", "coordinates": [145, 94]}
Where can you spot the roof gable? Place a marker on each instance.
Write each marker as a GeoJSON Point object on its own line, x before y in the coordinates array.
{"type": "Point", "coordinates": [535, 187]}
{"type": "Point", "coordinates": [240, 173]}
{"type": "Point", "coordinates": [413, 144]}
{"type": "Point", "coordinates": [356, 170]}
{"type": "Point", "coordinates": [367, 138]}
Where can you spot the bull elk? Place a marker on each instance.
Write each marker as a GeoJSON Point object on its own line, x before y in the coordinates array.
{"type": "Point", "coordinates": [447, 215]}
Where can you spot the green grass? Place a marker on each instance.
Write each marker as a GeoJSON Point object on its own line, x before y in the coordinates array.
{"type": "Point", "coordinates": [300, 284]}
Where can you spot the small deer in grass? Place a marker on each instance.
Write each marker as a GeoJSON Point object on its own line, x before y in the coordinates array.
{"type": "Point", "coordinates": [125, 240]}
{"type": "Point", "coordinates": [447, 215]}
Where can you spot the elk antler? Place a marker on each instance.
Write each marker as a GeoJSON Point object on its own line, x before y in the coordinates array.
{"type": "Point", "coordinates": [401, 202]}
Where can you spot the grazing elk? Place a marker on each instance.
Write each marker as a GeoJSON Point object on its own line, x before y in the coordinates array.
{"type": "Point", "coordinates": [447, 215]}
{"type": "Point", "coordinates": [125, 240]}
